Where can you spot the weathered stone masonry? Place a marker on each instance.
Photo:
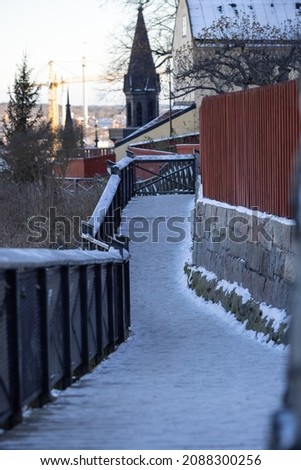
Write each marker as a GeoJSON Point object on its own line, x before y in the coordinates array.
{"type": "Point", "coordinates": [248, 248]}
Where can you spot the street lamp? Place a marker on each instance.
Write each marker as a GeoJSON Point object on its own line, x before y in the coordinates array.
{"type": "Point", "coordinates": [168, 71]}
{"type": "Point", "coordinates": [96, 140]}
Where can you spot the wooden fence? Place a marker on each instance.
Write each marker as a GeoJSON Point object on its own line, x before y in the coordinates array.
{"type": "Point", "coordinates": [248, 147]}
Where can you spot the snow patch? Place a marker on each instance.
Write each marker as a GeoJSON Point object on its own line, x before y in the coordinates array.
{"type": "Point", "coordinates": [276, 315]}
{"type": "Point", "coordinates": [241, 209]}
{"type": "Point", "coordinates": [229, 287]}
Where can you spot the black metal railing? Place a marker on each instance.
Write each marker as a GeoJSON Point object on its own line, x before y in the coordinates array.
{"type": "Point", "coordinates": [175, 175]}
{"type": "Point", "coordinates": [61, 312]}
{"type": "Point", "coordinates": [134, 176]}
{"type": "Point", "coordinates": [101, 229]}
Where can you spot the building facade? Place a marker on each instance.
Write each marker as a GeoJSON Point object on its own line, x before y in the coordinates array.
{"type": "Point", "coordinates": [195, 15]}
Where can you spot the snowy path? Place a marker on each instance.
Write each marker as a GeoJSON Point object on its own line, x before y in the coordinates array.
{"type": "Point", "coordinates": [189, 377]}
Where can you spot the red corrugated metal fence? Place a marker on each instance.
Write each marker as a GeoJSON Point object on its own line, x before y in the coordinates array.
{"type": "Point", "coordinates": [248, 147]}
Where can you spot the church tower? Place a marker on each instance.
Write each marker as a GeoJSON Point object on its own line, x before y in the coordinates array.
{"type": "Point", "coordinates": [141, 83]}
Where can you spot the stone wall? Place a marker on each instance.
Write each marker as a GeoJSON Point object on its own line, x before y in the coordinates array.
{"type": "Point", "coordinates": [251, 249]}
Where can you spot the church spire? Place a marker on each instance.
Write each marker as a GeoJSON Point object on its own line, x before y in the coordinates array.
{"type": "Point", "coordinates": [68, 120]}
{"type": "Point", "coordinates": [141, 83]}
{"type": "Point", "coordinates": [141, 68]}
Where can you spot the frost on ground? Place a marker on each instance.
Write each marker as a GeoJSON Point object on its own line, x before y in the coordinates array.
{"type": "Point", "coordinates": [190, 377]}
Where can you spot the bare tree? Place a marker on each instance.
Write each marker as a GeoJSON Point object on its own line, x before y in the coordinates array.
{"type": "Point", "coordinates": [159, 17]}
{"type": "Point", "coordinates": [238, 53]}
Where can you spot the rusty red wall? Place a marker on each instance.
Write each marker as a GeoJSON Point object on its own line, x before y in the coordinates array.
{"type": "Point", "coordinates": [248, 143]}
{"type": "Point", "coordinates": [186, 149]}
{"type": "Point", "coordinates": [97, 165]}
{"type": "Point", "coordinates": [76, 168]}
{"type": "Point", "coordinates": [87, 167]}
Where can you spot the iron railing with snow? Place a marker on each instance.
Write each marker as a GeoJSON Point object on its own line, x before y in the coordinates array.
{"type": "Point", "coordinates": [101, 230]}
{"type": "Point", "coordinates": [133, 176]}
{"type": "Point", "coordinates": [62, 311]}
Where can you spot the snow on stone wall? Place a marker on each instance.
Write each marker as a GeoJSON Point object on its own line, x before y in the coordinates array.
{"type": "Point", "coordinates": [255, 252]}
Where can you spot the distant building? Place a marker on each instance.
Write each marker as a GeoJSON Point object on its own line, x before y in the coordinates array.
{"type": "Point", "coordinates": [195, 15]}
{"type": "Point", "coordinates": [141, 84]}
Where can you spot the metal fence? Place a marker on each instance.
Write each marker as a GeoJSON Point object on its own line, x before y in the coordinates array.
{"type": "Point", "coordinates": [62, 311]}
{"type": "Point", "coordinates": [248, 147]}
{"type": "Point", "coordinates": [172, 175]}
{"type": "Point", "coordinates": [134, 176]}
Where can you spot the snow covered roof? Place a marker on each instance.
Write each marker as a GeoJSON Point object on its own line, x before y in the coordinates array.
{"type": "Point", "coordinates": [204, 12]}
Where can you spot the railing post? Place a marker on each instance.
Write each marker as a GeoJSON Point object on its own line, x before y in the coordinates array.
{"type": "Point", "coordinates": [84, 319]}
{"type": "Point", "coordinates": [111, 305]}
{"type": "Point", "coordinates": [99, 312]}
{"type": "Point", "coordinates": [67, 379]}
{"type": "Point", "coordinates": [45, 396]}
{"type": "Point", "coordinates": [129, 183]}
{"type": "Point", "coordinates": [133, 178]}
{"type": "Point", "coordinates": [120, 301]}
{"type": "Point", "coordinates": [127, 288]}
{"type": "Point", "coordinates": [15, 349]}
{"type": "Point", "coordinates": [118, 207]}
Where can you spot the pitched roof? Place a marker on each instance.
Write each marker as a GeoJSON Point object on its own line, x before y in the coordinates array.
{"type": "Point", "coordinates": [204, 12]}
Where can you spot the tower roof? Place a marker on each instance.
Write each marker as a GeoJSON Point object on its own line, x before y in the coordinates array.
{"type": "Point", "coordinates": [141, 73]}
{"type": "Point", "coordinates": [68, 120]}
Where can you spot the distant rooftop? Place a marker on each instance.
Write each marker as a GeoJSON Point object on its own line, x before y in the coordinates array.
{"type": "Point", "coordinates": [158, 121]}
{"type": "Point", "coordinates": [204, 12]}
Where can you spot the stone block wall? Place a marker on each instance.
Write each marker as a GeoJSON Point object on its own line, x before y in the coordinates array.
{"type": "Point", "coordinates": [252, 249]}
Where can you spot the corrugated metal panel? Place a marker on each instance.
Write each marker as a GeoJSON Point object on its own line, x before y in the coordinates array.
{"type": "Point", "coordinates": [248, 147]}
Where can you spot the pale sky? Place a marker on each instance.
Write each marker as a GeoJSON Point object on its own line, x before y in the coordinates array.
{"type": "Point", "coordinates": [62, 31]}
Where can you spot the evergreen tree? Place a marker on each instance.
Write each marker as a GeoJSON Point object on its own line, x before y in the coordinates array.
{"type": "Point", "coordinates": [28, 136]}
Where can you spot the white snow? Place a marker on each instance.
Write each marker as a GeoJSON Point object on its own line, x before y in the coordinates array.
{"type": "Point", "coordinates": [104, 202]}
{"type": "Point", "coordinates": [204, 12]}
{"type": "Point", "coordinates": [210, 276]}
{"type": "Point", "coordinates": [190, 377]}
{"type": "Point", "coordinates": [276, 315]}
{"type": "Point", "coordinates": [233, 286]}
{"type": "Point", "coordinates": [241, 209]}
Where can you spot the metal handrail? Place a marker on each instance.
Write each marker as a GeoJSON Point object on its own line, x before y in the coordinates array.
{"type": "Point", "coordinates": [61, 313]}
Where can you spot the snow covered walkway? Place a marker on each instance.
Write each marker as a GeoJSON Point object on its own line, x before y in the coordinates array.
{"type": "Point", "coordinates": [189, 377]}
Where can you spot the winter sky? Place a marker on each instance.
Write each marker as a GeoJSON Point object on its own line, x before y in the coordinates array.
{"type": "Point", "coordinates": [62, 31]}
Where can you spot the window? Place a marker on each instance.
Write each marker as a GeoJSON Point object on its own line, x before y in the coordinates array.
{"type": "Point", "coordinates": [129, 115]}
{"type": "Point", "coordinates": [139, 114]}
{"type": "Point", "coordinates": [150, 111]}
